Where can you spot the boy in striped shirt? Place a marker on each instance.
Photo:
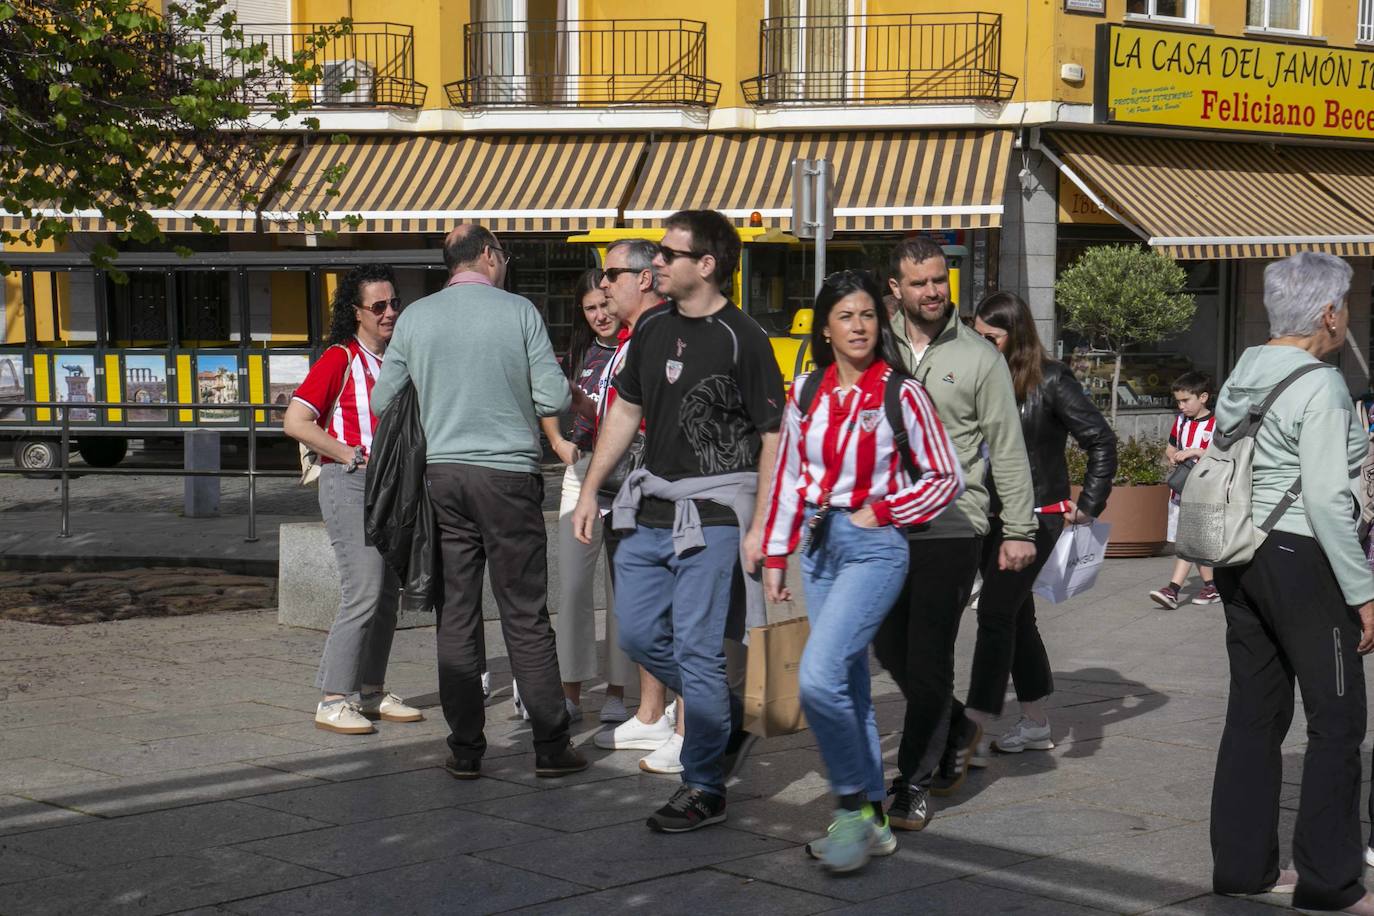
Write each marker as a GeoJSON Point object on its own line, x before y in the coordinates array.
{"type": "Point", "coordinates": [1188, 439]}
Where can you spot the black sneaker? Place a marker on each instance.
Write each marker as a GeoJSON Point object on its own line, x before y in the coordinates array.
{"type": "Point", "coordinates": [910, 808]}
{"type": "Point", "coordinates": [737, 752]}
{"type": "Point", "coordinates": [563, 763]}
{"type": "Point", "coordinates": [463, 769]}
{"type": "Point", "coordinates": [949, 775]}
{"type": "Point", "coordinates": [688, 809]}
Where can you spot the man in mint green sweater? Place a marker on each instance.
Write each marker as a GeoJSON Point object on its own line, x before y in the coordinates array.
{"type": "Point", "coordinates": [484, 373]}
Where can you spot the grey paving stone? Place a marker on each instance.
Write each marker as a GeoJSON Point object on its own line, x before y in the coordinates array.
{"type": "Point", "coordinates": [386, 796]}
{"type": "Point", "coordinates": [627, 853]}
{"type": "Point", "coordinates": [20, 866]}
{"type": "Point", "coordinates": [1212, 905]}
{"type": "Point", "coordinates": [158, 833]}
{"type": "Point", "coordinates": [50, 740]}
{"type": "Point", "coordinates": [1185, 799]}
{"type": "Point", "coordinates": [356, 849]}
{"type": "Point", "coordinates": [113, 797]}
{"type": "Point", "coordinates": [20, 815]}
{"type": "Point", "coordinates": [153, 886]}
{"type": "Point", "coordinates": [460, 884]}
{"type": "Point", "coordinates": [184, 753]}
{"type": "Point", "coordinates": [695, 894]}
{"type": "Point", "coordinates": [27, 774]}
{"type": "Point", "coordinates": [1046, 826]}
{"type": "Point", "coordinates": [209, 720]}
{"type": "Point", "coordinates": [360, 759]}
{"type": "Point", "coordinates": [20, 712]}
{"type": "Point", "coordinates": [586, 805]}
{"type": "Point", "coordinates": [961, 898]}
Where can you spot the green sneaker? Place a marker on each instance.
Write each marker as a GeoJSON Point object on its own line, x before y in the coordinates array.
{"type": "Point", "coordinates": [884, 842]}
{"type": "Point", "coordinates": [848, 840]}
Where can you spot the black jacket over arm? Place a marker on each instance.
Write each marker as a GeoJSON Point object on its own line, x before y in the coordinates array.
{"type": "Point", "coordinates": [1052, 412]}
{"type": "Point", "coordinates": [397, 516]}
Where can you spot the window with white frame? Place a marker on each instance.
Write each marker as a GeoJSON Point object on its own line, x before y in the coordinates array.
{"type": "Point", "coordinates": [1365, 32]}
{"type": "Point", "coordinates": [1173, 10]}
{"type": "Point", "coordinates": [1278, 15]}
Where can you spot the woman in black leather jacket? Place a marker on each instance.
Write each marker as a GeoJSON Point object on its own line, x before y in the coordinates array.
{"type": "Point", "coordinates": [1053, 407]}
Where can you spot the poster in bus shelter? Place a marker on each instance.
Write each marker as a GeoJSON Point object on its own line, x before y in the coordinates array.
{"type": "Point", "coordinates": [73, 378]}
{"type": "Point", "coordinates": [12, 388]}
{"type": "Point", "coordinates": [145, 382]}
{"type": "Point", "coordinates": [217, 382]}
{"type": "Point", "coordinates": [285, 372]}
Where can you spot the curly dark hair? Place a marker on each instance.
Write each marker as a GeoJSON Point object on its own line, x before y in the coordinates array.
{"type": "Point", "coordinates": [348, 295]}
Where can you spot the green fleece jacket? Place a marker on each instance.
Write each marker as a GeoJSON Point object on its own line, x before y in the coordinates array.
{"type": "Point", "coordinates": [971, 386]}
{"type": "Point", "coordinates": [484, 371]}
{"type": "Point", "coordinates": [1314, 432]}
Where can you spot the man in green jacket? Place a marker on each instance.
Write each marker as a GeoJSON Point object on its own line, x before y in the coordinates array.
{"type": "Point", "coordinates": [972, 389]}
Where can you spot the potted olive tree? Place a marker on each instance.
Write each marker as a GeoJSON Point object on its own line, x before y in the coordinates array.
{"type": "Point", "coordinates": [1118, 296]}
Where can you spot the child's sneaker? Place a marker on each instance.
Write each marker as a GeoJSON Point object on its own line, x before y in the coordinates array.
{"type": "Point", "coordinates": [1208, 594]}
{"type": "Point", "coordinates": [1166, 597]}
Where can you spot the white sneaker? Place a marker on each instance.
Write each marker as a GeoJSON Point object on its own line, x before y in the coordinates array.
{"type": "Point", "coordinates": [388, 707]}
{"type": "Point", "coordinates": [574, 711]}
{"type": "Point", "coordinates": [982, 754]}
{"type": "Point", "coordinates": [614, 711]}
{"type": "Point", "coordinates": [666, 759]}
{"type": "Point", "coordinates": [486, 685]}
{"type": "Point", "coordinates": [634, 735]}
{"type": "Point", "coordinates": [670, 712]}
{"type": "Point", "coordinates": [1025, 736]}
{"type": "Point", "coordinates": [520, 709]}
{"type": "Point", "coordinates": [1369, 856]}
{"type": "Point", "coordinates": [343, 717]}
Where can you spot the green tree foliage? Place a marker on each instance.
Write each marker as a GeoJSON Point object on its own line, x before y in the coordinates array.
{"type": "Point", "coordinates": [1121, 295]}
{"type": "Point", "coordinates": [95, 93]}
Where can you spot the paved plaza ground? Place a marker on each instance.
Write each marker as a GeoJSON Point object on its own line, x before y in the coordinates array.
{"type": "Point", "coordinates": [171, 765]}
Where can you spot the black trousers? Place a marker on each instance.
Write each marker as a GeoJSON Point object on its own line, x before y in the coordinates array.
{"type": "Point", "coordinates": [484, 514]}
{"type": "Point", "coordinates": [916, 645]}
{"type": "Point", "coordinates": [1009, 642]}
{"type": "Point", "coordinates": [1286, 619]}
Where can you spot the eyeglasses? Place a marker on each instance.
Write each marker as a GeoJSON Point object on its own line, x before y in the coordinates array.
{"type": "Point", "coordinates": [503, 252]}
{"type": "Point", "coordinates": [672, 254]}
{"type": "Point", "coordinates": [615, 273]}
{"type": "Point", "coordinates": [379, 308]}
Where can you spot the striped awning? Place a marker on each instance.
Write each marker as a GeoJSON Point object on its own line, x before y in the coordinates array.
{"type": "Point", "coordinates": [884, 180]}
{"type": "Point", "coordinates": [1199, 199]}
{"type": "Point", "coordinates": [428, 183]}
{"type": "Point", "coordinates": [213, 193]}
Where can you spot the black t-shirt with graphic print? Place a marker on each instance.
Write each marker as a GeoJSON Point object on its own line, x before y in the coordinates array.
{"type": "Point", "coordinates": [709, 388]}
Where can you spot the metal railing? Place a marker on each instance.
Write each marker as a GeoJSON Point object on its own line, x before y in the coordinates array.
{"type": "Point", "coordinates": [584, 63]}
{"type": "Point", "coordinates": [880, 60]}
{"type": "Point", "coordinates": [64, 411]}
{"type": "Point", "coordinates": [371, 65]}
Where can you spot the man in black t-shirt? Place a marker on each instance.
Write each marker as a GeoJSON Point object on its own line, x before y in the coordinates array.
{"type": "Point", "coordinates": [702, 376]}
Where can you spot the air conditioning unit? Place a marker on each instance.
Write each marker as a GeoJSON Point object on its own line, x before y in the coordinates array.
{"type": "Point", "coordinates": [336, 73]}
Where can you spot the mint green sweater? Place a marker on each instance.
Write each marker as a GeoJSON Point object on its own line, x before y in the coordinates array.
{"type": "Point", "coordinates": [485, 372]}
{"type": "Point", "coordinates": [1313, 430]}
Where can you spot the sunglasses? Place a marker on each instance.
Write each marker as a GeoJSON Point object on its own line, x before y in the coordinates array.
{"type": "Point", "coordinates": [615, 273]}
{"type": "Point", "coordinates": [379, 308]}
{"type": "Point", "coordinates": [503, 252]}
{"type": "Point", "coordinates": [672, 254]}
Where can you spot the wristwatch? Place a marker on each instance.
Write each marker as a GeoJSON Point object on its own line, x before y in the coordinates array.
{"type": "Point", "coordinates": [357, 461]}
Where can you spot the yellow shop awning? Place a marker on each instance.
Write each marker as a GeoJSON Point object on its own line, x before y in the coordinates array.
{"type": "Point", "coordinates": [205, 194]}
{"type": "Point", "coordinates": [884, 180]}
{"type": "Point", "coordinates": [1201, 199]}
{"type": "Point", "coordinates": [429, 183]}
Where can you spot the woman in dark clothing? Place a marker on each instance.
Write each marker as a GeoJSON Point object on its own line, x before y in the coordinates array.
{"type": "Point", "coordinates": [1053, 407]}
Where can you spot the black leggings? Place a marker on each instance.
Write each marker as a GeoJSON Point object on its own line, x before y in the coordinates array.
{"type": "Point", "coordinates": [1009, 642]}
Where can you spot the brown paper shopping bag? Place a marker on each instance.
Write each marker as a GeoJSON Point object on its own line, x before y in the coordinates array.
{"type": "Point", "coordinates": [772, 697]}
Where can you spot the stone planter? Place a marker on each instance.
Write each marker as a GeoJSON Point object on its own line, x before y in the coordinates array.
{"type": "Point", "coordinates": [1139, 517]}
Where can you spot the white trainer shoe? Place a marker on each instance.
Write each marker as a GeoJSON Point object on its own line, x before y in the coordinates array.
{"type": "Point", "coordinates": [520, 709]}
{"type": "Point", "coordinates": [574, 711]}
{"type": "Point", "coordinates": [982, 754]}
{"type": "Point", "coordinates": [613, 711]}
{"type": "Point", "coordinates": [670, 713]}
{"type": "Point", "coordinates": [1025, 736]}
{"type": "Point", "coordinates": [389, 708]}
{"type": "Point", "coordinates": [634, 735]}
{"type": "Point", "coordinates": [344, 718]}
{"type": "Point", "coordinates": [1369, 856]}
{"type": "Point", "coordinates": [486, 685]}
{"type": "Point", "coordinates": [666, 759]}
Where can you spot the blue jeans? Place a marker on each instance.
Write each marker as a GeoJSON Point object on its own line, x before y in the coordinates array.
{"type": "Point", "coordinates": [851, 580]}
{"type": "Point", "coordinates": [671, 612]}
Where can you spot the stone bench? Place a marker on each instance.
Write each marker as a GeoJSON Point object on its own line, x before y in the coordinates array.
{"type": "Point", "coordinates": [308, 579]}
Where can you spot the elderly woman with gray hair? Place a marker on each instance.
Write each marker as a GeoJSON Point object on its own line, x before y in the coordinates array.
{"type": "Point", "coordinates": [1302, 608]}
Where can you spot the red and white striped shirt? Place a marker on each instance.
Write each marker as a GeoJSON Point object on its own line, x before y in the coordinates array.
{"type": "Point", "coordinates": [353, 420]}
{"type": "Point", "coordinates": [1192, 433]}
{"type": "Point", "coordinates": [845, 449]}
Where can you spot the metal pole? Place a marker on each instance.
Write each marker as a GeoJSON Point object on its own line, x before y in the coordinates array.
{"type": "Point", "coordinates": [66, 487]}
{"type": "Point", "coordinates": [820, 196]}
{"type": "Point", "coordinates": [252, 477]}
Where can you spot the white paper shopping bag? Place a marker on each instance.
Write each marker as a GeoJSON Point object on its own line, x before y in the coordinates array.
{"type": "Point", "coordinates": [1072, 568]}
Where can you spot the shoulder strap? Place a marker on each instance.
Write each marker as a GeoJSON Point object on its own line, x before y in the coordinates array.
{"type": "Point", "coordinates": [892, 404]}
{"type": "Point", "coordinates": [807, 396]}
{"type": "Point", "coordinates": [1256, 415]}
{"type": "Point", "coordinates": [1282, 386]}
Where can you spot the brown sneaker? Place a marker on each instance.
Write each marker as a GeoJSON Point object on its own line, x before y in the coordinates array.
{"type": "Point", "coordinates": [1208, 594]}
{"type": "Point", "coordinates": [564, 763]}
{"type": "Point", "coordinates": [1166, 597]}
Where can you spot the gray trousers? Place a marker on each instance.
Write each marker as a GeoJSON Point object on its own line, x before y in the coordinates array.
{"type": "Point", "coordinates": [359, 643]}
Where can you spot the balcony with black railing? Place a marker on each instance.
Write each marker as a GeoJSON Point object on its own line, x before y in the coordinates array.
{"type": "Point", "coordinates": [584, 64]}
{"type": "Point", "coordinates": [890, 59]}
{"type": "Point", "coordinates": [368, 65]}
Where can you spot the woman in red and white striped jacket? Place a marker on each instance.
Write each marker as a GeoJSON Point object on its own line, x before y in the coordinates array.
{"type": "Point", "coordinates": [846, 482]}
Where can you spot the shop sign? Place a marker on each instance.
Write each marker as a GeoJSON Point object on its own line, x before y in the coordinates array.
{"type": "Point", "coordinates": [1097, 7]}
{"type": "Point", "coordinates": [1177, 79]}
{"type": "Point", "coordinates": [1077, 207]}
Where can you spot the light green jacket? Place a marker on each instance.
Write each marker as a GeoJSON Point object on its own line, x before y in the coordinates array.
{"type": "Point", "coordinates": [971, 386]}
